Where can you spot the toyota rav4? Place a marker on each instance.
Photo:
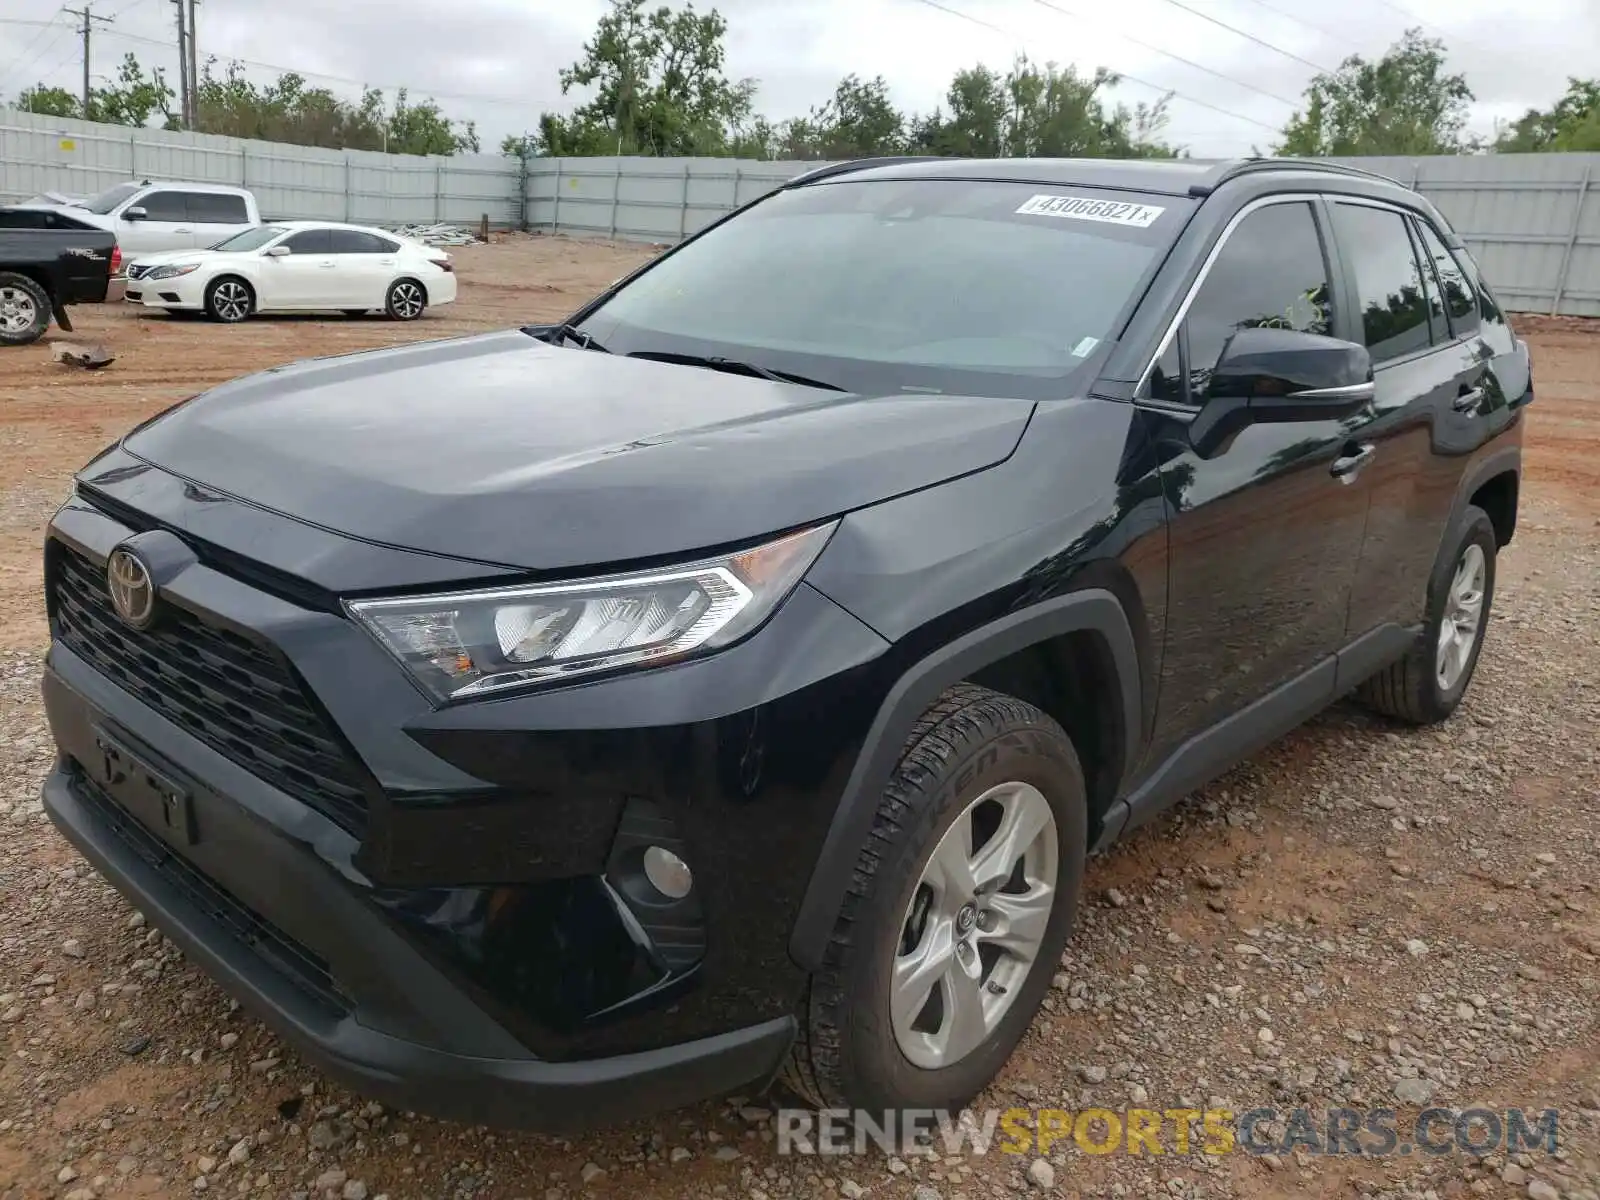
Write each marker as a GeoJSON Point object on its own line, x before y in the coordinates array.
{"type": "Point", "coordinates": [730, 681]}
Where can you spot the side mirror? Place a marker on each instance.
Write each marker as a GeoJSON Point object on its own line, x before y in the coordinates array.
{"type": "Point", "coordinates": [135, 212]}
{"type": "Point", "coordinates": [1280, 375]}
{"type": "Point", "coordinates": [278, 252]}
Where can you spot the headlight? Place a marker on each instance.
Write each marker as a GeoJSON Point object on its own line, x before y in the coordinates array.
{"type": "Point", "coordinates": [173, 272]}
{"type": "Point", "coordinates": [478, 643]}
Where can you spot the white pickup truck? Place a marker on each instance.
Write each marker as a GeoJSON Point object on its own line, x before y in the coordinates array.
{"type": "Point", "coordinates": [150, 216]}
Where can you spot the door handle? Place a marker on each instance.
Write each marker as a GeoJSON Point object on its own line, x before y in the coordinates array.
{"type": "Point", "coordinates": [327, 266]}
{"type": "Point", "coordinates": [183, 231]}
{"type": "Point", "coordinates": [1468, 401]}
{"type": "Point", "coordinates": [1348, 465]}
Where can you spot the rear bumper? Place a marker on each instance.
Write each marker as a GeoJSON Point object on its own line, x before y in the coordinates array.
{"type": "Point", "coordinates": [483, 1077]}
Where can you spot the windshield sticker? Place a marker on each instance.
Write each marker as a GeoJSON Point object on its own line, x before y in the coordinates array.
{"type": "Point", "coordinates": [1082, 208]}
{"type": "Point", "coordinates": [1082, 349]}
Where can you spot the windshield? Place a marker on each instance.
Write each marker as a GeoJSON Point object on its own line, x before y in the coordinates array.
{"type": "Point", "coordinates": [251, 239]}
{"type": "Point", "coordinates": [111, 197]}
{"type": "Point", "coordinates": [926, 286]}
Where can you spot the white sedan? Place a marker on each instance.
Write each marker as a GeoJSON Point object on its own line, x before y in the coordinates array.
{"type": "Point", "coordinates": [296, 266]}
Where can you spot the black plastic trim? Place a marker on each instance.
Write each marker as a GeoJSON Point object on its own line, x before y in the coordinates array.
{"type": "Point", "coordinates": [1093, 610]}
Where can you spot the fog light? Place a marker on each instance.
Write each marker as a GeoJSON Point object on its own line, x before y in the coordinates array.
{"type": "Point", "coordinates": [667, 873]}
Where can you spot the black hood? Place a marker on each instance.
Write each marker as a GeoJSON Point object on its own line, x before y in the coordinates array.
{"type": "Point", "coordinates": [504, 449]}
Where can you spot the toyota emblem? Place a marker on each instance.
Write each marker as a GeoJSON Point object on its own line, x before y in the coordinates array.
{"type": "Point", "coordinates": [133, 595]}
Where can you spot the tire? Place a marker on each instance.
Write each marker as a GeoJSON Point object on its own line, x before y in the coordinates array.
{"type": "Point", "coordinates": [856, 1050]}
{"type": "Point", "coordinates": [24, 310]}
{"type": "Point", "coordinates": [407, 300]}
{"type": "Point", "coordinates": [1419, 689]}
{"type": "Point", "coordinates": [230, 300]}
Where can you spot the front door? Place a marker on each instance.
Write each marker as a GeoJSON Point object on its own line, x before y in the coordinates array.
{"type": "Point", "coordinates": [1265, 529]}
{"type": "Point", "coordinates": [303, 278]}
{"type": "Point", "coordinates": [164, 225]}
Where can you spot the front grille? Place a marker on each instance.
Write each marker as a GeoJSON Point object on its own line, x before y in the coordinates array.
{"type": "Point", "coordinates": [238, 697]}
{"type": "Point", "coordinates": [288, 956]}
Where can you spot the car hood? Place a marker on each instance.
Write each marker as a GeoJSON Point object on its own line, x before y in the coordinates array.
{"type": "Point", "coordinates": [507, 450]}
{"type": "Point", "coordinates": [159, 258]}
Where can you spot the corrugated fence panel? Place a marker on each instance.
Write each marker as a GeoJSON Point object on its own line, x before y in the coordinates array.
{"type": "Point", "coordinates": [39, 154]}
{"type": "Point", "coordinates": [1532, 220]}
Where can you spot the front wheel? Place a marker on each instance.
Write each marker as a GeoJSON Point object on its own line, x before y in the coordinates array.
{"type": "Point", "coordinates": [406, 300]}
{"type": "Point", "coordinates": [229, 300]}
{"type": "Point", "coordinates": [1428, 684]}
{"type": "Point", "coordinates": [961, 903]}
{"type": "Point", "coordinates": [24, 310]}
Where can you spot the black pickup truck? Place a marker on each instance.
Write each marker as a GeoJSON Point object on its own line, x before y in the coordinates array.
{"type": "Point", "coordinates": [49, 260]}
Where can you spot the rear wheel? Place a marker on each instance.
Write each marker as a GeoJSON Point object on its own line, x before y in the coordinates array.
{"type": "Point", "coordinates": [229, 300]}
{"type": "Point", "coordinates": [962, 900]}
{"type": "Point", "coordinates": [24, 310]}
{"type": "Point", "coordinates": [406, 300]}
{"type": "Point", "coordinates": [1427, 684]}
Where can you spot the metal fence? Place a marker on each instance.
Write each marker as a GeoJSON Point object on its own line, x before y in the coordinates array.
{"type": "Point", "coordinates": [39, 154]}
{"type": "Point", "coordinates": [1532, 220]}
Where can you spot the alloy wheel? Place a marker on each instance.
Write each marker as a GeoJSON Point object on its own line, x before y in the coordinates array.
{"type": "Point", "coordinates": [18, 311]}
{"type": "Point", "coordinates": [1463, 613]}
{"type": "Point", "coordinates": [231, 301]}
{"type": "Point", "coordinates": [974, 926]}
{"type": "Point", "coordinates": [406, 301]}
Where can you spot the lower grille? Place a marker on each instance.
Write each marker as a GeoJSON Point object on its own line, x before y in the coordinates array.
{"type": "Point", "coordinates": [286, 955]}
{"type": "Point", "coordinates": [238, 697]}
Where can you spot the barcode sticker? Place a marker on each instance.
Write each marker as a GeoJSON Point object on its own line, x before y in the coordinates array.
{"type": "Point", "coordinates": [1083, 208]}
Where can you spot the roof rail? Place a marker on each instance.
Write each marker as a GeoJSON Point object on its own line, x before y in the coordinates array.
{"type": "Point", "coordinates": [1250, 166]}
{"type": "Point", "coordinates": [829, 170]}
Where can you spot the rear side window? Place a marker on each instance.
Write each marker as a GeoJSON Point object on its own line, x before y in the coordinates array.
{"type": "Point", "coordinates": [163, 206]}
{"type": "Point", "coordinates": [1389, 286]}
{"type": "Point", "coordinates": [310, 241]}
{"type": "Point", "coordinates": [1270, 274]}
{"type": "Point", "coordinates": [353, 241]}
{"type": "Point", "coordinates": [217, 208]}
{"type": "Point", "coordinates": [1459, 299]}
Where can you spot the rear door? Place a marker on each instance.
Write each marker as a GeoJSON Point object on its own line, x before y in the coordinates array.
{"type": "Point", "coordinates": [301, 278]}
{"type": "Point", "coordinates": [164, 226]}
{"type": "Point", "coordinates": [365, 267]}
{"type": "Point", "coordinates": [216, 215]}
{"type": "Point", "coordinates": [1429, 368]}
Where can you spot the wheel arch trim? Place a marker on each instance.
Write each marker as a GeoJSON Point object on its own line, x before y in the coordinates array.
{"type": "Point", "coordinates": [1092, 610]}
{"type": "Point", "coordinates": [1505, 461]}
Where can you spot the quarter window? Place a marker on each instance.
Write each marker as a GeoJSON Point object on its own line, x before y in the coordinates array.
{"type": "Point", "coordinates": [1458, 298]}
{"type": "Point", "coordinates": [1271, 274]}
{"type": "Point", "coordinates": [1389, 289]}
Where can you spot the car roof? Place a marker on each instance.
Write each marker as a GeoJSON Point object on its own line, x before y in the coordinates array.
{"type": "Point", "coordinates": [1170, 177]}
{"type": "Point", "coordinates": [303, 224]}
{"type": "Point", "coordinates": [189, 186]}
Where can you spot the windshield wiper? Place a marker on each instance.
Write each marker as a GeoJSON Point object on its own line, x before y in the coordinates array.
{"type": "Point", "coordinates": [566, 332]}
{"type": "Point", "coordinates": [733, 366]}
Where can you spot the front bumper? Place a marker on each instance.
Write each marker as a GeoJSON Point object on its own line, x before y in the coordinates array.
{"type": "Point", "coordinates": [276, 979]}
{"type": "Point", "coordinates": [458, 915]}
{"type": "Point", "coordinates": [186, 291]}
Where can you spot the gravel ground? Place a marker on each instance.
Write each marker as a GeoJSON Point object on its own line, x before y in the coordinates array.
{"type": "Point", "coordinates": [1363, 915]}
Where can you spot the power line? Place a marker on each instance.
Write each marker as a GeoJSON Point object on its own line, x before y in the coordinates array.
{"type": "Point", "coordinates": [1322, 29]}
{"type": "Point", "coordinates": [1175, 57]}
{"type": "Point", "coordinates": [1262, 42]}
{"type": "Point", "coordinates": [955, 12]}
{"type": "Point", "coordinates": [46, 26]}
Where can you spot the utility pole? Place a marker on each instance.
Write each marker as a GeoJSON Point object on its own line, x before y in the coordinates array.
{"type": "Point", "coordinates": [84, 31]}
{"type": "Point", "coordinates": [183, 65]}
{"type": "Point", "coordinates": [194, 66]}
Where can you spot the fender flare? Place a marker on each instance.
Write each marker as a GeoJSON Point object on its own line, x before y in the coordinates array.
{"type": "Point", "coordinates": [1506, 459]}
{"type": "Point", "coordinates": [1094, 610]}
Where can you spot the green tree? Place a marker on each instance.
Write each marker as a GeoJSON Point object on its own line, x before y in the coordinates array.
{"type": "Point", "coordinates": [50, 101]}
{"type": "Point", "coordinates": [423, 129]}
{"type": "Point", "coordinates": [1034, 111]}
{"type": "Point", "coordinates": [1571, 124]}
{"type": "Point", "coordinates": [859, 121]}
{"type": "Point", "coordinates": [659, 87]}
{"type": "Point", "coordinates": [1404, 103]}
{"type": "Point", "coordinates": [134, 98]}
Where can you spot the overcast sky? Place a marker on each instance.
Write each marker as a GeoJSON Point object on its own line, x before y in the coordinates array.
{"type": "Point", "coordinates": [495, 61]}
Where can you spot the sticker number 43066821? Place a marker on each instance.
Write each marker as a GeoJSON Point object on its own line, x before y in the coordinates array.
{"type": "Point", "coordinates": [1083, 208]}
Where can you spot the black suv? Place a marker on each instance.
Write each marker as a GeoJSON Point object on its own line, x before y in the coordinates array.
{"type": "Point", "coordinates": [554, 725]}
